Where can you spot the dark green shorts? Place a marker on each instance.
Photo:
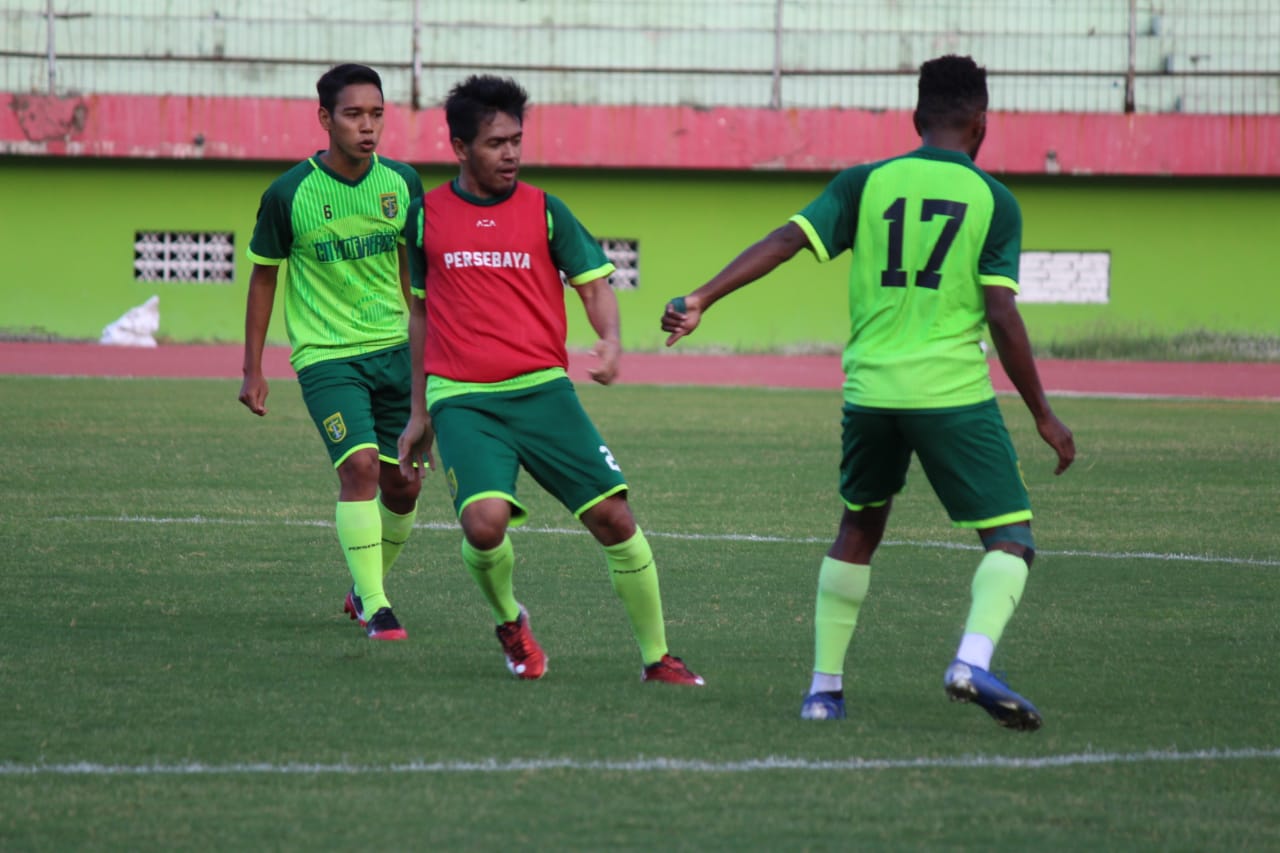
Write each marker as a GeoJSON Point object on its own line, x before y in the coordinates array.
{"type": "Point", "coordinates": [965, 452]}
{"type": "Point", "coordinates": [359, 402]}
{"type": "Point", "coordinates": [484, 438]}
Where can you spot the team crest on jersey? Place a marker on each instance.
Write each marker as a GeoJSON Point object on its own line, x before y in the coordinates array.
{"type": "Point", "coordinates": [390, 205]}
{"type": "Point", "coordinates": [335, 427]}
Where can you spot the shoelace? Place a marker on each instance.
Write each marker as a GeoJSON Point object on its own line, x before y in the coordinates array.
{"type": "Point", "coordinates": [382, 620]}
{"type": "Point", "coordinates": [514, 640]}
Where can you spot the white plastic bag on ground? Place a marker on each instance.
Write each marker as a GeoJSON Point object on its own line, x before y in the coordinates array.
{"type": "Point", "coordinates": [136, 328]}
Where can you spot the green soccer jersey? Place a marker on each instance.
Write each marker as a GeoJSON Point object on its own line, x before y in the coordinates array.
{"type": "Point", "coordinates": [928, 231]}
{"type": "Point", "coordinates": [341, 240]}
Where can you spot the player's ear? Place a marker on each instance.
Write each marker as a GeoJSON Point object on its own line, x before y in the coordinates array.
{"type": "Point", "coordinates": [459, 149]}
{"type": "Point", "coordinates": [976, 131]}
{"type": "Point", "coordinates": [325, 119]}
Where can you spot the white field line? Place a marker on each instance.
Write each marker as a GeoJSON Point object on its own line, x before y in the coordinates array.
{"type": "Point", "coordinates": [641, 765]}
{"type": "Point", "coordinates": [689, 537]}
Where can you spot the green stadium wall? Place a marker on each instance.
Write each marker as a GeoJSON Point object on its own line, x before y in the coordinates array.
{"type": "Point", "coordinates": [1186, 254]}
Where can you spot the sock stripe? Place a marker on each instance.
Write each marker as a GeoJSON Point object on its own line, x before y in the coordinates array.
{"type": "Point", "coordinates": [618, 571]}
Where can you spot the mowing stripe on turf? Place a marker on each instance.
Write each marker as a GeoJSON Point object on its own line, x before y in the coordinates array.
{"type": "Point", "coordinates": [689, 537]}
{"type": "Point", "coordinates": [641, 765]}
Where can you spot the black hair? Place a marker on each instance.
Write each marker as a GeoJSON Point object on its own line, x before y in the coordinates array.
{"type": "Point", "coordinates": [477, 99]}
{"type": "Point", "coordinates": [952, 90]}
{"type": "Point", "coordinates": [340, 77]}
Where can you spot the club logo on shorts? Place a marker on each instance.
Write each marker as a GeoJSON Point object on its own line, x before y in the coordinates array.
{"type": "Point", "coordinates": [452, 479]}
{"type": "Point", "coordinates": [390, 205]}
{"type": "Point", "coordinates": [335, 427]}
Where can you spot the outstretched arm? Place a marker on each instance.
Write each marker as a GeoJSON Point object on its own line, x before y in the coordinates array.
{"type": "Point", "coordinates": [1009, 334]}
{"type": "Point", "coordinates": [682, 315]}
{"type": "Point", "coordinates": [257, 317]}
{"type": "Point", "coordinates": [601, 305]}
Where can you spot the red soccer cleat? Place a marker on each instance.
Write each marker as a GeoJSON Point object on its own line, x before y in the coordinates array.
{"type": "Point", "coordinates": [525, 658]}
{"type": "Point", "coordinates": [671, 670]}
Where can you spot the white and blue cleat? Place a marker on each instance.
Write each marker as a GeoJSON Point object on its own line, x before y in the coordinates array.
{"type": "Point", "coordinates": [822, 706]}
{"type": "Point", "coordinates": [966, 683]}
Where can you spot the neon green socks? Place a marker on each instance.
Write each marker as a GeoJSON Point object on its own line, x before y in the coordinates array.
{"type": "Point", "coordinates": [842, 587]}
{"type": "Point", "coordinates": [491, 570]}
{"type": "Point", "coordinates": [360, 534]}
{"type": "Point", "coordinates": [997, 588]}
{"type": "Point", "coordinates": [395, 532]}
{"type": "Point", "coordinates": [635, 581]}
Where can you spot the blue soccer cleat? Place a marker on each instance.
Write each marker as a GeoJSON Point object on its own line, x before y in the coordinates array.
{"type": "Point", "coordinates": [966, 683]}
{"type": "Point", "coordinates": [384, 625]}
{"type": "Point", "coordinates": [823, 706]}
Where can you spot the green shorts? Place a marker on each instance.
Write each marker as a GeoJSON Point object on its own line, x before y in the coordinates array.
{"type": "Point", "coordinates": [965, 452]}
{"type": "Point", "coordinates": [359, 402]}
{"type": "Point", "coordinates": [484, 437]}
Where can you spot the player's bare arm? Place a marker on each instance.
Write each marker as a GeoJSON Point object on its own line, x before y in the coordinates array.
{"type": "Point", "coordinates": [257, 317]}
{"type": "Point", "coordinates": [413, 447]}
{"type": "Point", "coordinates": [601, 305]}
{"type": "Point", "coordinates": [759, 259]}
{"type": "Point", "coordinates": [1009, 335]}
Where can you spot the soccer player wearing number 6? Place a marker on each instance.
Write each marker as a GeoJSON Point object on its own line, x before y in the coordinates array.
{"type": "Point", "coordinates": [935, 244]}
{"type": "Point", "coordinates": [339, 219]}
{"type": "Point", "coordinates": [488, 332]}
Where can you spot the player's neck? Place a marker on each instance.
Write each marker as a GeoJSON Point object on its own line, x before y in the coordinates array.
{"type": "Point", "coordinates": [347, 167]}
{"type": "Point", "coordinates": [960, 143]}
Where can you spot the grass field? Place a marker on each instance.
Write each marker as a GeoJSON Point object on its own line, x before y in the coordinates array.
{"type": "Point", "coordinates": [177, 673]}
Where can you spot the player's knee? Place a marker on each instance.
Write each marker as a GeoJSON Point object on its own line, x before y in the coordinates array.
{"type": "Point", "coordinates": [1015, 539]}
{"type": "Point", "coordinates": [363, 466]}
{"type": "Point", "coordinates": [484, 537]}
{"type": "Point", "coordinates": [399, 490]}
{"type": "Point", "coordinates": [610, 521]}
{"type": "Point", "coordinates": [484, 523]}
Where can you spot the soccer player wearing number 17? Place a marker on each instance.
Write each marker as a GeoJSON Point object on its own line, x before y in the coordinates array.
{"type": "Point", "coordinates": [936, 244]}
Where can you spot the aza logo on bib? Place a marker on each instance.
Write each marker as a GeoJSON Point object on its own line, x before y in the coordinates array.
{"type": "Point", "coordinates": [335, 427]}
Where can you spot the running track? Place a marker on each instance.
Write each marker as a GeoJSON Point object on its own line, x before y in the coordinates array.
{"type": "Point", "coordinates": [1242, 381]}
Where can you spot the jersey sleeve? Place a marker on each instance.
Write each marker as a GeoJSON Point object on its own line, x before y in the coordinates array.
{"type": "Point", "coordinates": [573, 249]}
{"type": "Point", "coordinates": [830, 220]}
{"type": "Point", "coordinates": [411, 235]}
{"type": "Point", "coordinates": [414, 229]}
{"type": "Point", "coordinates": [273, 232]}
{"type": "Point", "coordinates": [1002, 250]}
{"type": "Point", "coordinates": [413, 183]}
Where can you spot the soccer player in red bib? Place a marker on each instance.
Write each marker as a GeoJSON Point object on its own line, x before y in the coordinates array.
{"type": "Point", "coordinates": [935, 244]}
{"type": "Point", "coordinates": [488, 326]}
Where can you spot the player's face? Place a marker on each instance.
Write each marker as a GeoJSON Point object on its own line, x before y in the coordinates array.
{"type": "Point", "coordinates": [356, 122]}
{"type": "Point", "coordinates": [491, 163]}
